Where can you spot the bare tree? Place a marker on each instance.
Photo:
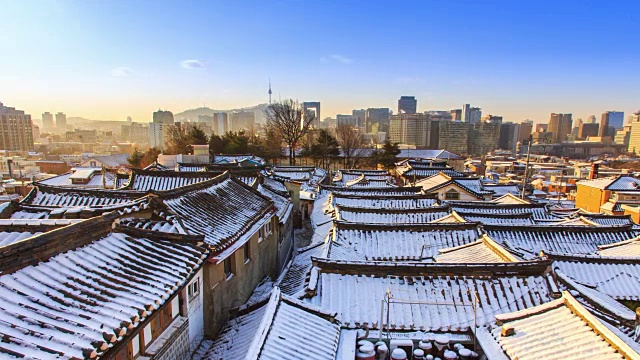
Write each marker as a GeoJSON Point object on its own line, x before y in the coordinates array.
{"type": "Point", "coordinates": [288, 118]}
{"type": "Point", "coordinates": [351, 142]}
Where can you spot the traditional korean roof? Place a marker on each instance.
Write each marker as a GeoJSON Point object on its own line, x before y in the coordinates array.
{"type": "Point", "coordinates": [472, 186]}
{"type": "Point", "coordinates": [559, 329]}
{"type": "Point", "coordinates": [580, 221]}
{"type": "Point", "coordinates": [292, 173]}
{"type": "Point", "coordinates": [528, 242]}
{"type": "Point", "coordinates": [281, 327]}
{"type": "Point", "coordinates": [51, 196]}
{"type": "Point", "coordinates": [223, 209]}
{"type": "Point", "coordinates": [608, 220]}
{"type": "Point", "coordinates": [408, 242]}
{"type": "Point", "coordinates": [229, 159]}
{"type": "Point", "coordinates": [387, 203]}
{"type": "Point", "coordinates": [484, 250]}
{"type": "Point", "coordinates": [410, 174]}
{"type": "Point", "coordinates": [371, 192]}
{"type": "Point", "coordinates": [80, 302]}
{"type": "Point", "coordinates": [502, 190]}
{"type": "Point", "coordinates": [296, 276]}
{"type": "Point", "coordinates": [364, 182]}
{"type": "Point", "coordinates": [628, 248]}
{"type": "Point", "coordinates": [538, 211]}
{"type": "Point", "coordinates": [283, 204]}
{"type": "Point", "coordinates": [275, 185]}
{"type": "Point", "coordinates": [428, 154]}
{"type": "Point", "coordinates": [14, 230]}
{"type": "Point", "coordinates": [618, 278]}
{"type": "Point", "coordinates": [614, 183]}
{"type": "Point", "coordinates": [390, 216]}
{"type": "Point", "coordinates": [520, 219]}
{"type": "Point", "coordinates": [92, 174]}
{"type": "Point", "coordinates": [442, 294]}
{"type": "Point", "coordinates": [508, 198]}
{"type": "Point", "coordinates": [15, 210]}
{"type": "Point", "coordinates": [147, 180]}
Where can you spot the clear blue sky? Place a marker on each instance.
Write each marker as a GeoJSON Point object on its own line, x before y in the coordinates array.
{"type": "Point", "coordinates": [110, 59]}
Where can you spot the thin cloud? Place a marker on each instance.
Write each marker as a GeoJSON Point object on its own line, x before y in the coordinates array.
{"type": "Point", "coordinates": [337, 58]}
{"type": "Point", "coordinates": [122, 71]}
{"type": "Point", "coordinates": [192, 64]}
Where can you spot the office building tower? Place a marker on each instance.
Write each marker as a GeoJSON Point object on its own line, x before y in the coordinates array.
{"type": "Point", "coordinates": [220, 123]}
{"type": "Point", "coordinates": [611, 121]}
{"type": "Point", "coordinates": [623, 136]}
{"type": "Point", "coordinates": [456, 114]}
{"type": "Point", "coordinates": [35, 129]}
{"type": "Point", "coordinates": [407, 105]}
{"type": "Point", "coordinates": [413, 129]}
{"type": "Point", "coordinates": [377, 120]}
{"type": "Point", "coordinates": [156, 134]}
{"type": "Point", "coordinates": [475, 115]}
{"type": "Point", "coordinates": [361, 116]}
{"type": "Point", "coordinates": [576, 127]}
{"type": "Point", "coordinates": [483, 137]}
{"type": "Point", "coordinates": [588, 130]}
{"type": "Point", "coordinates": [542, 127]}
{"type": "Point", "coordinates": [453, 136]}
{"type": "Point", "coordinates": [47, 122]}
{"type": "Point", "coordinates": [312, 107]}
{"type": "Point", "coordinates": [16, 129]}
{"type": "Point", "coordinates": [492, 118]}
{"type": "Point", "coordinates": [61, 122]}
{"type": "Point", "coordinates": [243, 120]}
{"type": "Point", "coordinates": [634, 135]}
{"type": "Point", "coordinates": [509, 136]}
{"type": "Point", "coordinates": [464, 115]}
{"type": "Point", "coordinates": [591, 119]}
{"type": "Point", "coordinates": [163, 117]}
{"type": "Point", "coordinates": [560, 126]}
{"type": "Point", "coordinates": [525, 130]}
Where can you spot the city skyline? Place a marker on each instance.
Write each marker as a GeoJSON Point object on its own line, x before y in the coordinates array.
{"type": "Point", "coordinates": [167, 57]}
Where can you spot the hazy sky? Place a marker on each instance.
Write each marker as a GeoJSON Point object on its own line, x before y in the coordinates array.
{"type": "Point", "coordinates": [110, 59]}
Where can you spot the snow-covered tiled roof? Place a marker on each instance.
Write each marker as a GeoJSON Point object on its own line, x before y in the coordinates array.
{"type": "Point", "coordinates": [9, 237]}
{"type": "Point", "coordinates": [424, 173]}
{"type": "Point", "coordinates": [500, 190]}
{"type": "Point", "coordinates": [296, 275]}
{"type": "Point", "coordinates": [428, 154]}
{"type": "Point", "coordinates": [398, 242]}
{"type": "Point", "coordinates": [522, 219]}
{"type": "Point", "coordinates": [95, 179]}
{"type": "Point", "coordinates": [559, 329]}
{"type": "Point", "coordinates": [79, 303]}
{"type": "Point", "coordinates": [608, 220]}
{"type": "Point", "coordinates": [14, 230]}
{"type": "Point", "coordinates": [147, 180]}
{"type": "Point", "coordinates": [484, 250]}
{"type": "Point", "coordinates": [275, 185]}
{"type": "Point", "coordinates": [283, 204]}
{"type": "Point", "coordinates": [529, 241]}
{"type": "Point", "coordinates": [222, 209]}
{"type": "Point", "coordinates": [371, 192]}
{"type": "Point", "coordinates": [388, 216]}
{"type": "Point", "coordinates": [629, 248]}
{"type": "Point", "coordinates": [281, 327]}
{"type": "Point", "coordinates": [614, 183]}
{"type": "Point", "coordinates": [472, 186]}
{"type": "Point", "coordinates": [538, 211]}
{"type": "Point", "coordinates": [443, 294]}
{"type": "Point", "coordinates": [382, 203]}
{"type": "Point", "coordinates": [50, 196]}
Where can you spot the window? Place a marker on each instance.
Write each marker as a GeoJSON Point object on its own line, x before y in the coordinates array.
{"type": "Point", "coordinates": [135, 345]}
{"type": "Point", "coordinates": [261, 233]}
{"type": "Point", "coordinates": [193, 289]}
{"type": "Point", "coordinates": [175, 307]}
{"type": "Point", "coordinates": [247, 252]}
{"type": "Point", "coordinates": [147, 334]}
{"type": "Point", "coordinates": [452, 195]}
{"type": "Point", "coordinates": [269, 227]}
{"type": "Point", "coordinates": [228, 267]}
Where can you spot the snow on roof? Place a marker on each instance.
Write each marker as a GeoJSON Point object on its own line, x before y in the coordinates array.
{"type": "Point", "coordinates": [382, 203]}
{"type": "Point", "coordinates": [501, 190]}
{"type": "Point", "coordinates": [538, 211]}
{"type": "Point", "coordinates": [529, 241]}
{"type": "Point", "coordinates": [614, 183]}
{"type": "Point", "coordinates": [283, 204]}
{"type": "Point", "coordinates": [558, 329]}
{"type": "Point", "coordinates": [629, 248]}
{"type": "Point", "coordinates": [409, 242]}
{"type": "Point", "coordinates": [10, 237]}
{"type": "Point", "coordinates": [580, 221]}
{"type": "Point", "coordinates": [227, 159]}
{"type": "Point", "coordinates": [522, 219]}
{"type": "Point", "coordinates": [390, 216]}
{"type": "Point", "coordinates": [424, 173]}
{"type": "Point", "coordinates": [484, 250]}
{"type": "Point", "coordinates": [373, 192]}
{"type": "Point", "coordinates": [428, 154]}
{"type": "Point", "coordinates": [158, 180]}
{"type": "Point", "coordinates": [296, 275]}
{"type": "Point", "coordinates": [472, 186]}
{"type": "Point", "coordinates": [508, 198]}
{"type": "Point", "coordinates": [275, 185]}
{"type": "Point", "coordinates": [223, 209]}
{"type": "Point", "coordinates": [445, 291]}
{"type": "Point", "coordinates": [14, 230]}
{"type": "Point", "coordinates": [112, 161]}
{"type": "Point", "coordinates": [51, 196]}
{"type": "Point", "coordinates": [95, 179]}
{"type": "Point", "coordinates": [281, 326]}
{"type": "Point", "coordinates": [608, 220]}
{"type": "Point", "coordinates": [72, 304]}
{"type": "Point", "coordinates": [618, 278]}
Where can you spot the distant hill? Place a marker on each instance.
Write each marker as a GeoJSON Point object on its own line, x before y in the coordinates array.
{"type": "Point", "coordinates": [192, 114]}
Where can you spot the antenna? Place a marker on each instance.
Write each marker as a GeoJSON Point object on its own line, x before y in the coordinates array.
{"type": "Point", "coordinates": [270, 92]}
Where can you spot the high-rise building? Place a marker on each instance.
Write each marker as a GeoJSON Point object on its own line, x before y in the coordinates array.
{"type": "Point", "coordinates": [591, 119]}
{"type": "Point", "coordinates": [587, 129]}
{"type": "Point", "coordinates": [312, 107]}
{"type": "Point", "coordinates": [475, 115]}
{"type": "Point", "coordinates": [542, 127]}
{"type": "Point", "coordinates": [492, 118]}
{"type": "Point", "coordinates": [16, 132]}
{"type": "Point", "coordinates": [611, 121]}
{"type": "Point", "coordinates": [413, 129]}
{"type": "Point", "coordinates": [464, 113]}
{"type": "Point", "coordinates": [559, 127]}
{"type": "Point", "coordinates": [439, 115]}
{"type": "Point", "coordinates": [525, 130]}
{"type": "Point", "coordinates": [350, 120]}
{"type": "Point", "coordinates": [243, 120]}
{"type": "Point", "coordinates": [377, 120]}
{"type": "Point", "coordinates": [634, 135]}
{"type": "Point", "coordinates": [623, 136]}
{"type": "Point", "coordinates": [483, 137]}
{"type": "Point", "coordinates": [220, 123]}
{"type": "Point", "coordinates": [407, 105]}
{"type": "Point", "coordinates": [509, 136]}
{"type": "Point", "coordinates": [163, 117]}
{"type": "Point", "coordinates": [361, 116]}
{"type": "Point", "coordinates": [47, 122]}
{"type": "Point", "coordinates": [156, 134]}
{"type": "Point", "coordinates": [453, 136]}
{"type": "Point", "coordinates": [61, 122]}
{"type": "Point", "coordinates": [456, 114]}
{"type": "Point", "coordinates": [576, 128]}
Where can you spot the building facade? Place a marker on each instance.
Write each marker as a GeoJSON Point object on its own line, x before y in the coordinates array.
{"type": "Point", "coordinates": [407, 105]}
{"type": "Point", "coordinates": [163, 117]}
{"type": "Point", "coordinates": [47, 122]}
{"type": "Point", "coordinates": [560, 126]}
{"type": "Point", "coordinates": [377, 120]}
{"type": "Point", "coordinates": [243, 120]}
{"type": "Point", "coordinates": [16, 129]}
{"type": "Point", "coordinates": [61, 122]}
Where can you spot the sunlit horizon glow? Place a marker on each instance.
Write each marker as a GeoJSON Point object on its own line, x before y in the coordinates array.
{"type": "Point", "coordinates": [110, 60]}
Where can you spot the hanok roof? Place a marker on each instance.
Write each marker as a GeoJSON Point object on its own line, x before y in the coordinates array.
{"type": "Point", "coordinates": [371, 192]}
{"type": "Point", "coordinates": [389, 203]}
{"type": "Point", "coordinates": [608, 220]}
{"type": "Point", "coordinates": [283, 204]}
{"type": "Point", "coordinates": [21, 211]}
{"type": "Point", "coordinates": [390, 216]}
{"type": "Point", "coordinates": [501, 190]}
{"type": "Point", "coordinates": [484, 250]}
{"type": "Point", "coordinates": [472, 186]}
{"type": "Point", "coordinates": [508, 198]}
{"type": "Point", "coordinates": [628, 248]}
{"type": "Point", "coordinates": [14, 230]}
{"type": "Point", "coordinates": [364, 182]}
{"type": "Point", "coordinates": [618, 278]}
{"type": "Point", "coordinates": [275, 185]}
{"type": "Point", "coordinates": [529, 241]}
{"type": "Point", "coordinates": [51, 196]}
{"type": "Point", "coordinates": [428, 154]}
{"type": "Point", "coordinates": [296, 275]}
{"type": "Point", "coordinates": [424, 173]}
{"type": "Point", "coordinates": [281, 327]}
{"type": "Point", "coordinates": [613, 183]}
{"type": "Point", "coordinates": [78, 303]}
{"type": "Point", "coordinates": [498, 219]}
{"type": "Point", "coordinates": [538, 211]}
{"type": "Point", "coordinates": [93, 175]}
{"type": "Point", "coordinates": [147, 180]}
{"type": "Point", "coordinates": [223, 209]}
{"type": "Point", "coordinates": [442, 294]}
{"type": "Point", "coordinates": [397, 242]}
{"type": "Point", "coordinates": [559, 329]}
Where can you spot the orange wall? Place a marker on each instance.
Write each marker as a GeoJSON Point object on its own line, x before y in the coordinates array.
{"type": "Point", "coordinates": [590, 199]}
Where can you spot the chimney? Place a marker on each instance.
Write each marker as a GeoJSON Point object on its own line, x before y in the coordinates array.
{"type": "Point", "coordinates": [10, 167]}
{"type": "Point", "coordinates": [594, 171]}
{"type": "Point", "coordinates": [508, 330]}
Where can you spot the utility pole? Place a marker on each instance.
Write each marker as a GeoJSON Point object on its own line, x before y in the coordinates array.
{"type": "Point", "coordinates": [525, 179]}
